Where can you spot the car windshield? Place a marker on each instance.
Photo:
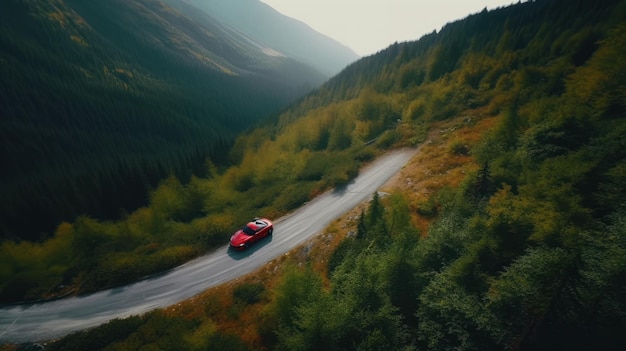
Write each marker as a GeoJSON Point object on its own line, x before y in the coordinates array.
{"type": "Point", "coordinates": [248, 230]}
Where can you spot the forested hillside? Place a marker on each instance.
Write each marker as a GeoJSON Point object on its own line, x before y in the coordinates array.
{"type": "Point", "coordinates": [507, 233]}
{"type": "Point", "coordinates": [100, 100]}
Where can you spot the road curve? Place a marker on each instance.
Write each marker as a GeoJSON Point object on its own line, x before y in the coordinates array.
{"type": "Point", "coordinates": [53, 319]}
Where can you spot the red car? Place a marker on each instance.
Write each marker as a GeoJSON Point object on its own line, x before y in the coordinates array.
{"type": "Point", "coordinates": [252, 232]}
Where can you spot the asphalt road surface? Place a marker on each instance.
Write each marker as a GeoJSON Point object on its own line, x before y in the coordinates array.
{"type": "Point", "coordinates": [53, 319]}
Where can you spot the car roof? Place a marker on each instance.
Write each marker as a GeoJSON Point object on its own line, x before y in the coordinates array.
{"type": "Point", "coordinates": [257, 224]}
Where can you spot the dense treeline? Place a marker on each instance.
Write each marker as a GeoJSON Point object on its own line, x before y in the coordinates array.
{"type": "Point", "coordinates": [527, 252]}
{"type": "Point", "coordinates": [99, 105]}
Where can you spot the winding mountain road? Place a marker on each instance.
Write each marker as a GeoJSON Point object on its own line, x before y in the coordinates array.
{"type": "Point", "coordinates": [53, 319]}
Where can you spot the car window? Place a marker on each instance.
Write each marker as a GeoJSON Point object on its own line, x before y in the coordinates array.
{"type": "Point", "coordinates": [248, 230]}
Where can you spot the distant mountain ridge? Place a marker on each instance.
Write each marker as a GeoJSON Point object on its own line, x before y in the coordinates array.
{"type": "Point", "coordinates": [284, 34]}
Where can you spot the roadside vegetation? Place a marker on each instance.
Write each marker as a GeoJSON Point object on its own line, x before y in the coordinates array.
{"type": "Point", "coordinates": [507, 232]}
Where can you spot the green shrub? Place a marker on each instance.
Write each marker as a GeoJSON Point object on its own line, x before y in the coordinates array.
{"type": "Point", "coordinates": [249, 293]}
{"type": "Point", "coordinates": [428, 208]}
{"type": "Point", "coordinates": [293, 196]}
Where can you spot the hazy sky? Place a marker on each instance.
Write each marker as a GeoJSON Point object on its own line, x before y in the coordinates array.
{"type": "Point", "coordinates": [367, 26]}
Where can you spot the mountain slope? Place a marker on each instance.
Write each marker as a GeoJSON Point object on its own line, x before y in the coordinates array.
{"type": "Point", "coordinates": [288, 36]}
{"type": "Point", "coordinates": [506, 233]}
{"type": "Point", "coordinates": [102, 95]}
